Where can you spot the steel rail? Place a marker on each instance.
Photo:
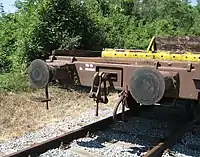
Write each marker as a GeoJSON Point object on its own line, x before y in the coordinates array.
{"type": "Point", "coordinates": [170, 141]}
{"type": "Point", "coordinates": [66, 138]}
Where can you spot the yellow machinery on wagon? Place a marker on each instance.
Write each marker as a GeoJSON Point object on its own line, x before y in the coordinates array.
{"type": "Point", "coordinates": [162, 48]}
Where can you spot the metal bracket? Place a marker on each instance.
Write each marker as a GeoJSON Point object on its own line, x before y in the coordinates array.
{"type": "Point", "coordinates": [189, 67]}
{"type": "Point", "coordinates": [156, 64]}
{"type": "Point", "coordinates": [122, 100]}
{"type": "Point", "coordinates": [100, 94]}
{"type": "Point", "coordinates": [46, 99]}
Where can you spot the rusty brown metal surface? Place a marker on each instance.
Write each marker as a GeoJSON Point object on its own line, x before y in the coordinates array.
{"type": "Point", "coordinates": [185, 75]}
{"type": "Point", "coordinates": [80, 53]}
{"type": "Point", "coordinates": [178, 44]}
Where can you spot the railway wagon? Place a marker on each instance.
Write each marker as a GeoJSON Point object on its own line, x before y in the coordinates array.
{"type": "Point", "coordinates": [168, 68]}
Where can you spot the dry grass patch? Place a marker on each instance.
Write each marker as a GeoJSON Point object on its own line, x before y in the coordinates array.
{"type": "Point", "coordinates": [20, 115]}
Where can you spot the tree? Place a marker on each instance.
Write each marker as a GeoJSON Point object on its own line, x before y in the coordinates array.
{"type": "Point", "coordinates": [186, 1]}
{"type": "Point", "coordinates": [41, 26]}
{"type": "Point", "coordinates": [2, 12]}
{"type": "Point", "coordinates": [198, 2]}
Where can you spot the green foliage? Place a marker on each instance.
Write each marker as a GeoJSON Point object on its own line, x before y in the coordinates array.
{"type": "Point", "coordinates": [40, 26]}
{"type": "Point", "coordinates": [15, 82]}
{"type": "Point", "coordinates": [132, 23]}
{"type": "Point", "coordinates": [198, 2]}
{"type": "Point", "coordinates": [61, 25]}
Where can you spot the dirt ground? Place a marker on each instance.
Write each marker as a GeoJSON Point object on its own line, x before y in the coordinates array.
{"type": "Point", "coordinates": [19, 114]}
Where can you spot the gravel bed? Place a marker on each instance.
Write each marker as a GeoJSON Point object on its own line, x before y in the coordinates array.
{"type": "Point", "coordinates": [52, 130]}
{"type": "Point", "coordinates": [189, 146]}
{"type": "Point", "coordinates": [58, 153]}
{"type": "Point", "coordinates": [129, 139]}
{"type": "Point", "coordinates": [133, 138]}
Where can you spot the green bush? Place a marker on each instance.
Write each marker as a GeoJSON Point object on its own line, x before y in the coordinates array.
{"type": "Point", "coordinates": [14, 82]}
{"type": "Point", "coordinates": [41, 26]}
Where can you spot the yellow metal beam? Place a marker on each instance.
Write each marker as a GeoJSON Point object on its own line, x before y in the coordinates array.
{"type": "Point", "coordinates": [151, 44]}
{"type": "Point", "coordinates": [150, 53]}
{"type": "Point", "coordinates": [188, 56]}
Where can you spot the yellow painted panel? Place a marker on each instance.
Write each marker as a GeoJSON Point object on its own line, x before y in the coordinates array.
{"type": "Point", "coordinates": [112, 53]}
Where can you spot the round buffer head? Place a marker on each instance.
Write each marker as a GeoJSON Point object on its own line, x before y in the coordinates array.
{"type": "Point", "coordinates": [147, 85]}
{"type": "Point", "coordinates": [38, 73]}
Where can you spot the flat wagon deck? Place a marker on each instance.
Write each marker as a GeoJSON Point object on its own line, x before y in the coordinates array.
{"type": "Point", "coordinates": [169, 68]}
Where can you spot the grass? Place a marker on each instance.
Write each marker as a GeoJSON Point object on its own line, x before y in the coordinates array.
{"type": "Point", "coordinates": [20, 115]}
{"type": "Point", "coordinates": [15, 82]}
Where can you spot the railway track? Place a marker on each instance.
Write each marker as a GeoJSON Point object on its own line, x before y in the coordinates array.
{"type": "Point", "coordinates": [40, 148]}
{"type": "Point", "coordinates": [100, 138]}
{"type": "Point", "coordinates": [165, 74]}
{"type": "Point", "coordinates": [121, 141]}
{"type": "Point", "coordinates": [176, 135]}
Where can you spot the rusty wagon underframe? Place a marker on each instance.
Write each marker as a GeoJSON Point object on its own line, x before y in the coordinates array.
{"type": "Point", "coordinates": [141, 80]}
{"type": "Point", "coordinates": [185, 76]}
